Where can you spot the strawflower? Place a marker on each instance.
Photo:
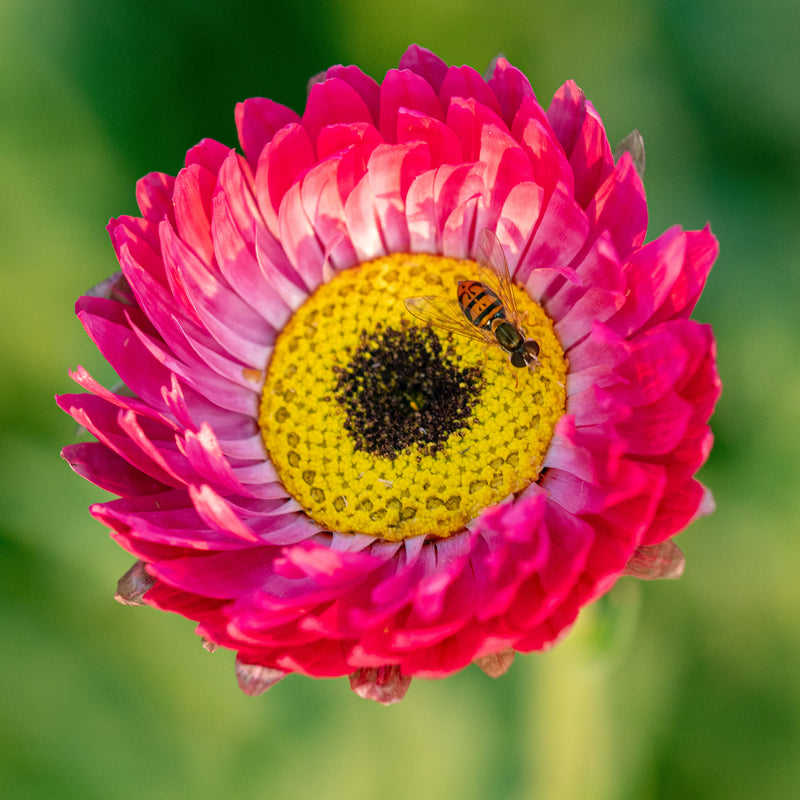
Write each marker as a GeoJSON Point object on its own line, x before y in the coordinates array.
{"type": "Point", "coordinates": [329, 486]}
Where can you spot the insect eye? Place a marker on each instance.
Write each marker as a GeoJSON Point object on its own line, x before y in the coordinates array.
{"type": "Point", "coordinates": [532, 348]}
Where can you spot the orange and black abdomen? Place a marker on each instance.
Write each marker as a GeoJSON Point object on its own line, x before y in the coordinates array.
{"type": "Point", "coordinates": [479, 304]}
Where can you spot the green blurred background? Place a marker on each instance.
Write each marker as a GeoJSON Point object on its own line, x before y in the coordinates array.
{"type": "Point", "coordinates": [666, 690]}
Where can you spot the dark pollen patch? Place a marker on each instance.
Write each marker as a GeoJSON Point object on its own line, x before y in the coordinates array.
{"type": "Point", "coordinates": [401, 388]}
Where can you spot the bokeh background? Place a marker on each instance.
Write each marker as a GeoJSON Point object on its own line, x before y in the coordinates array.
{"type": "Point", "coordinates": [666, 690]}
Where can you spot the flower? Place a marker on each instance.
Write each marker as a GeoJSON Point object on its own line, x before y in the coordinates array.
{"type": "Point", "coordinates": [329, 487]}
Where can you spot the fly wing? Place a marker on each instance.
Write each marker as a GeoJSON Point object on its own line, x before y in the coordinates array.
{"type": "Point", "coordinates": [495, 272]}
{"type": "Point", "coordinates": [441, 312]}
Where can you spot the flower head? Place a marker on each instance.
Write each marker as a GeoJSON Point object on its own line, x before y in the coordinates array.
{"type": "Point", "coordinates": [330, 487]}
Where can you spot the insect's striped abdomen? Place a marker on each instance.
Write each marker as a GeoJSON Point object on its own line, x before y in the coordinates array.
{"type": "Point", "coordinates": [479, 304]}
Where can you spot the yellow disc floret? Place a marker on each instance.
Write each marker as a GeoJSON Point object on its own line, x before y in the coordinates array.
{"type": "Point", "coordinates": [381, 425]}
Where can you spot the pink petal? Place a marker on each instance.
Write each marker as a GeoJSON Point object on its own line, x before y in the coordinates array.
{"type": "Point", "coordinates": [366, 86]}
{"type": "Point", "coordinates": [619, 206]}
{"type": "Point", "coordinates": [154, 196]}
{"type": "Point", "coordinates": [132, 362]}
{"type": "Point", "coordinates": [333, 101]}
{"type": "Point", "coordinates": [140, 240]}
{"type": "Point", "coordinates": [204, 454]}
{"type": "Point", "coordinates": [209, 154]}
{"type": "Point", "coordinates": [591, 160]}
{"type": "Point", "coordinates": [550, 166]}
{"type": "Point", "coordinates": [194, 187]}
{"type": "Point", "coordinates": [108, 470]}
{"type": "Point", "coordinates": [443, 144]}
{"type": "Point", "coordinates": [236, 326]}
{"type": "Point", "coordinates": [510, 87]}
{"type": "Point", "coordinates": [402, 89]}
{"type": "Point", "coordinates": [566, 114]}
{"type": "Point", "coordinates": [323, 192]}
{"type": "Point", "coordinates": [234, 232]}
{"type": "Point", "coordinates": [425, 63]}
{"type": "Point", "coordinates": [258, 120]}
{"type": "Point", "coordinates": [391, 170]}
{"type": "Point", "coordinates": [650, 274]}
{"type": "Point", "coordinates": [362, 136]}
{"type": "Point", "coordinates": [467, 119]}
{"type": "Point", "coordinates": [431, 199]}
{"type": "Point", "coordinates": [559, 235]}
{"type": "Point", "coordinates": [466, 83]}
{"type": "Point", "coordinates": [298, 238]}
{"type": "Point", "coordinates": [218, 514]}
{"type": "Point", "coordinates": [701, 252]}
{"type": "Point", "coordinates": [288, 155]}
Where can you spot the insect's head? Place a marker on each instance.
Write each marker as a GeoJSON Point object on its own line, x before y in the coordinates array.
{"type": "Point", "coordinates": [526, 356]}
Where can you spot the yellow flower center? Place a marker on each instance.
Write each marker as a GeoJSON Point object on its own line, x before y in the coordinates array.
{"type": "Point", "coordinates": [381, 425]}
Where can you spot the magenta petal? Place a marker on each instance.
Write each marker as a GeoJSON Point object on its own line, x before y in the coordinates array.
{"type": "Point", "coordinates": [130, 359]}
{"type": "Point", "coordinates": [333, 101]}
{"type": "Point", "coordinates": [194, 187]}
{"type": "Point", "coordinates": [510, 87]}
{"type": "Point", "coordinates": [203, 451]}
{"type": "Point", "coordinates": [700, 253]}
{"type": "Point", "coordinates": [233, 229]}
{"type": "Point", "coordinates": [431, 199]}
{"type": "Point", "coordinates": [236, 395]}
{"type": "Point", "coordinates": [108, 470]}
{"type": "Point", "coordinates": [258, 120]}
{"type": "Point", "coordinates": [425, 63]}
{"type": "Point", "coordinates": [442, 143]}
{"type": "Point", "coordinates": [138, 241]}
{"type": "Point", "coordinates": [559, 235]}
{"type": "Point", "coordinates": [367, 87]}
{"type": "Point", "coordinates": [209, 154]}
{"type": "Point", "coordinates": [217, 513]}
{"type": "Point", "coordinates": [619, 206]}
{"type": "Point", "coordinates": [298, 237]}
{"type": "Point", "coordinates": [550, 165]}
{"type": "Point", "coordinates": [223, 575]}
{"type": "Point", "coordinates": [286, 157]}
{"type": "Point", "coordinates": [404, 90]}
{"type": "Point", "coordinates": [233, 323]}
{"type": "Point", "coordinates": [472, 123]}
{"type": "Point", "coordinates": [566, 114]}
{"type": "Point", "coordinates": [677, 509]}
{"type": "Point", "coordinates": [363, 222]}
{"type": "Point", "coordinates": [322, 195]}
{"type": "Point", "coordinates": [154, 196]}
{"type": "Point", "coordinates": [391, 169]}
{"type": "Point", "coordinates": [507, 166]}
{"type": "Point", "coordinates": [362, 136]}
{"type": "Point", "coordinates": [591, 160]}
{"type": "Point", "coordinates": [465, 82]}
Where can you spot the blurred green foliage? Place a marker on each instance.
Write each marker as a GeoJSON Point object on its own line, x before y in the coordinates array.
{"type": "Point", "coordinates": [688, 689]}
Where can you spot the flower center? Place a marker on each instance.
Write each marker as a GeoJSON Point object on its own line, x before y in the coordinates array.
{"type": "Point", "coordinates": [379, 424]}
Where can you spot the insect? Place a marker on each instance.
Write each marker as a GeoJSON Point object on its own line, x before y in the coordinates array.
{"type": "Point", "coordinates": [485, 309]}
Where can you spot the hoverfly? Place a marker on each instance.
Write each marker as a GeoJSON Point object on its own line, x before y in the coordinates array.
{"type": "Point", "coordinates": [485, 309]}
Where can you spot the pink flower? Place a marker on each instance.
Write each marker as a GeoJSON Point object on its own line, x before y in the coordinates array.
{"type": "Point", "coordinates": [232, 527]}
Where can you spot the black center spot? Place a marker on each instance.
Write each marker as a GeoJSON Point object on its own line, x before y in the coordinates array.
{"type": "Point", "coordinates": [402, 388]}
